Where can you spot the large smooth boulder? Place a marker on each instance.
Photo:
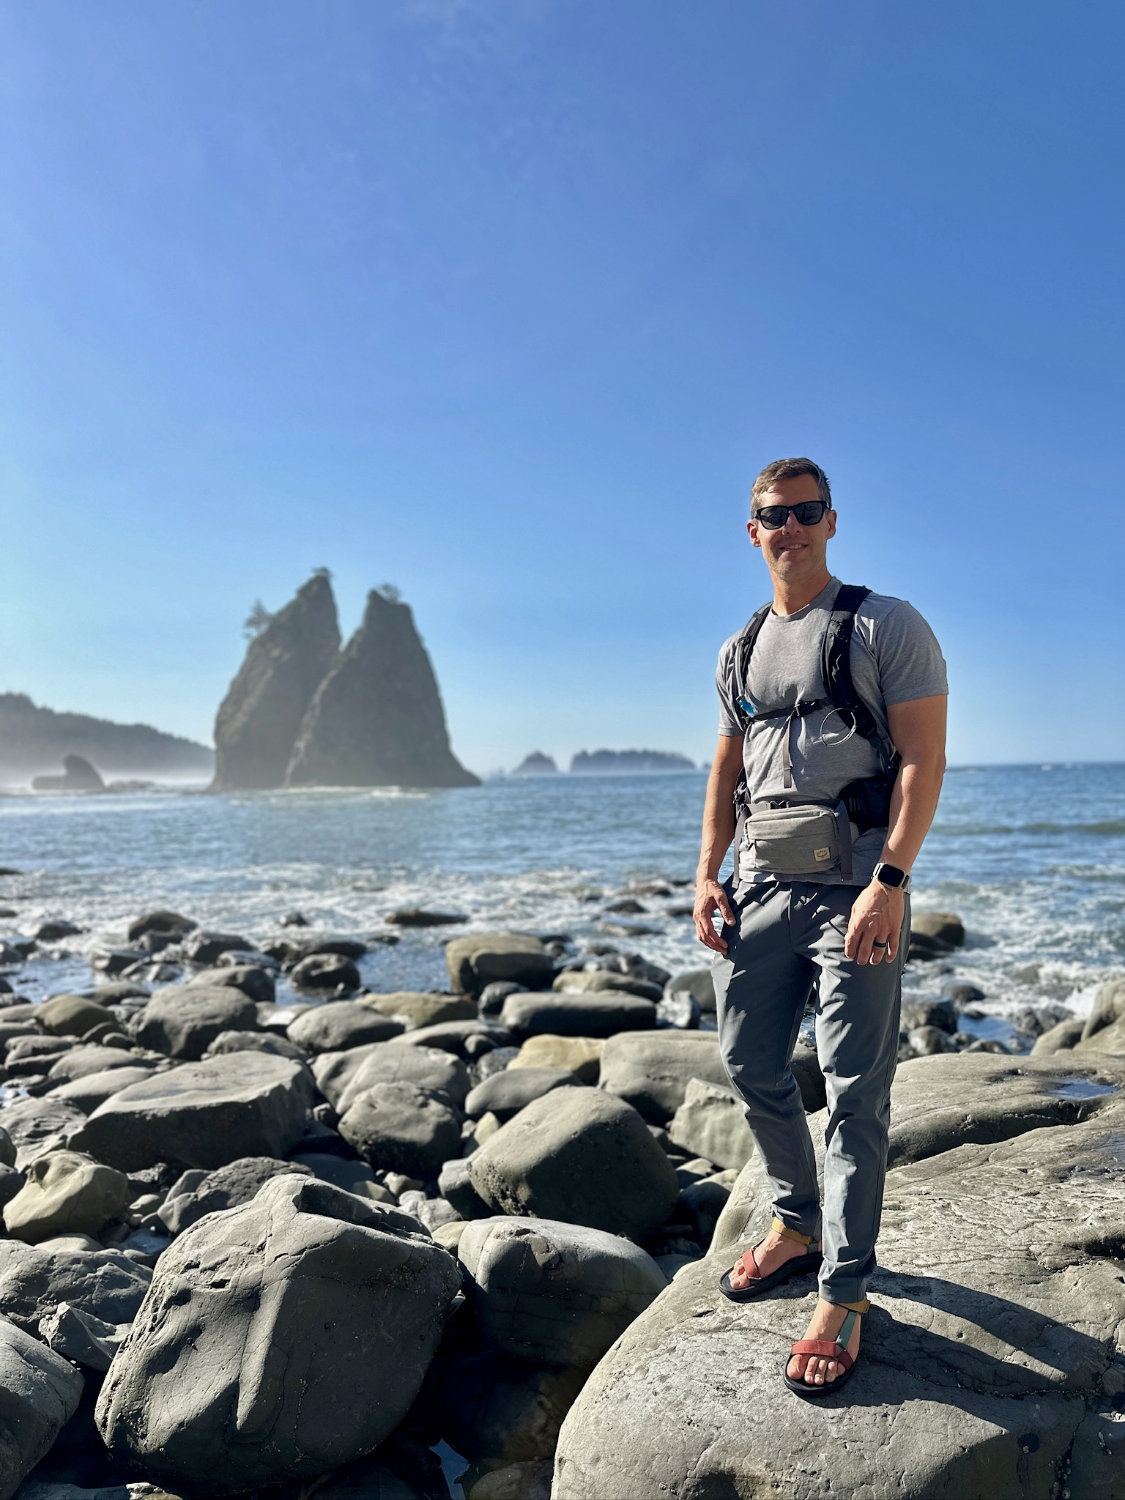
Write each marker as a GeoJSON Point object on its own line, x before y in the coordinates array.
{"type": "Point", "coordinates": [476, 961]}
{"type": "Point", "coordinates": [260, 717]}
{"type": "Point", "coordinates": [39, 1393]}
{"type": "Point", "coordinates": [325, 971]}
{"type": "Point", "coordinates": [505, 1093]}
{"type": "Point", "coordinates": [426, 1067]}
{"type": "Point", "coordinates": [989, 1367]}
{"type": "Point", "coordinates": [65, 1192]}
{"type": "Point", "coordinates": [419, 1009]}
{"type": "Point", "coordinates": [253, 979]}
{"type": "Point", "coordinates": [71, 1015]}
{"type": "Point", "coordinates": [601, 1013]}
{"type": "Point", "coordinates": [377, 718]}
{"type": "Point", "coordinates": [34, 1279]}
{"type": "Point", "coordinates": [582, 1055]}
{"type": "Point", "coordinates": [399, 1127]}
{"type": "Point", "coordinates": [87, 1059]}
{"type": "Point", "coordinates": [651, 1072]}
{"type": "Point", "coordinates": [279, 1340]}
{"type": "Point", "coordinates": [580, 1155]}
{"type": "Point", "coordinates": [182, 1020]}
{"type": "Point", "coordinates": [576, 981]}
{"type": "Point", "coordinates": [339, 1025]}
{"type": "Point", "coordinates": [202, 1114]}
{"type": "Point", "coordinates": [711, 1122]}
{"type": "Point", "coordinates": [551, 1292]}
{"type": "Point", "coordinates": [1109, 1039]}
{"type": "Point", "coordinates": [91, 1089]}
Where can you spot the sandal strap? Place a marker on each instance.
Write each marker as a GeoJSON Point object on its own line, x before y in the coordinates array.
{"type": "Point", "coordinates": [824, 1349]}
{"type": "Point", "coordinates": [755, 1274]}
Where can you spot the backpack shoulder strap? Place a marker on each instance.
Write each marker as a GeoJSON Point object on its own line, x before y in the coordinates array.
{"type": "Point", "coordinates": [836, 664]}
{"type": "Point", "coordinates": [743, 649]}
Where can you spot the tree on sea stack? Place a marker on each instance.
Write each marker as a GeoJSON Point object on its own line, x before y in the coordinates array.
{"type": "Point", "coordinates": [377, 718]}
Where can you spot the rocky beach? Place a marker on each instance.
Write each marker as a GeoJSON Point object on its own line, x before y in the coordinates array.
{"type": "Point", "coordinates": [270, 1230]}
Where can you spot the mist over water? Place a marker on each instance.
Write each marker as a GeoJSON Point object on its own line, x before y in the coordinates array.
{"type": "Point", "coordinates": [1032, 858]}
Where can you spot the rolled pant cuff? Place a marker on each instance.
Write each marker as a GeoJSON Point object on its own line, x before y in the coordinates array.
{"type": "Point", "coordinates": [849, 1293]}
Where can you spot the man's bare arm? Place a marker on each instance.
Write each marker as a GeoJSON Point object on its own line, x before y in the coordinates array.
{"type": "Point", "coordinates": [718, 830]}
{"type": "Point", "coordinates": [918, 731]}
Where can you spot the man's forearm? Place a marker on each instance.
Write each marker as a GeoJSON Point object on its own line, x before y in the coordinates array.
{"type": "Point", "coordinates": [914, 801]}
{"type": "Point", "coordinates": [718, 822]}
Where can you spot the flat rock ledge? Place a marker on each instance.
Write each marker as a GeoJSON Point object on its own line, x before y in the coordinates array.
{"type": "Point", "coordinates": [992, 1362]}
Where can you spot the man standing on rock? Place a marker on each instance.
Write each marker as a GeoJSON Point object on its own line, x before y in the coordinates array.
{"type": "Point", "coordinates": [826, 778]}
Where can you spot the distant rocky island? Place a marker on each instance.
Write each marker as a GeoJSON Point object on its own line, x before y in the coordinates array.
{"type": "Point", "coordinates": [536, 764]}
{"type": "Point", "coordinates": [302, 711]}
{"type": "Point", "coordinates": [35, 741]}
{"type": "Point", "coordinates": [598, 762]}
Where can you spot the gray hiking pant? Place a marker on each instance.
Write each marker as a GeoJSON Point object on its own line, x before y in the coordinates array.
{"type": "Point", "coordinates": [790, 945]}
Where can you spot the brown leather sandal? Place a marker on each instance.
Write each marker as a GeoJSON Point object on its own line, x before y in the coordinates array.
{"type": "Point", "coordinates": [760, 1284]}
{"type": "Point", "coordinates": [836, 1349]}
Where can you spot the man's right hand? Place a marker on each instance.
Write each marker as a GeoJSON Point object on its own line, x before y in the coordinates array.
{"type": "Point", "coordinates": [710, 897]}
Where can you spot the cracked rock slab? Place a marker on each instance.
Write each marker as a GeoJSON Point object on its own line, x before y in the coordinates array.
{"type": "Point", "coordinates": [991, 1364]}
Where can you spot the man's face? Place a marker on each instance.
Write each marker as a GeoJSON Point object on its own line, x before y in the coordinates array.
{"type": "Point", "coordinates": [793, 552]}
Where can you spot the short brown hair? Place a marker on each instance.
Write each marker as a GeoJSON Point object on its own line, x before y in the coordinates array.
{"type": "Point", "coordinates": [789, 468]}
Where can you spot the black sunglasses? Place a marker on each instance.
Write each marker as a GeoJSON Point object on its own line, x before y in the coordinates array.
{"type": "Point", "coordinates": [774, 517]}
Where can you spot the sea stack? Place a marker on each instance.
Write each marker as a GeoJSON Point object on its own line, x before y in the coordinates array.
{"type": "Point", "coordinates": [259, 719]}
{"type": "Point", "coordinates": [377, 718]}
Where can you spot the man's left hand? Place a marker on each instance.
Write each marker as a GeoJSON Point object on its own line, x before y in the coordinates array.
{"type": "Point", "coordinates": [875, 925]}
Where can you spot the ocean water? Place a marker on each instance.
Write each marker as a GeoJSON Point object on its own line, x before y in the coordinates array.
{"type": "Point", "coordinates": [1032, 858]}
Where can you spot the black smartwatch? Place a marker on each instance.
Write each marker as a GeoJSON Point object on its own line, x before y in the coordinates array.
{"type": "Point", "coordinates": [892, 876]}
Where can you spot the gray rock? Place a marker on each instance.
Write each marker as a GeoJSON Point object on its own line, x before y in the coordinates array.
{"type": "Point", "coordinates": [399, 1127]}
{"type": "Point", "coordinates": [353, 1176]}
{"type": "Point", "coordinates": [506, 1093]}
{"type": "Point", "coordinates": [421, 1009]}
{"type": "Point", "coordinates": [699, 983]}
{"type": "Point", "coordinates": [254, 1041]}
{"type": "Point", "coordinates": [70, 1015]}
{"type": "Point", "coordinates": [593, 1014]}
{"type": "Point", "coordinates": [252, 979]}
{"type": "Point", "coordinates": [377, 717]}
{"type": "Point", "coordinates": [580, 1155]}
{"type": "Point", "coordinates": [711, 1122]}
{"type": "Point", "coordinates": [938, 1103]}
{"type": "Point", "coordinates": [498, 1411]}
{"type": "Point", "coordinates": [325, 971]}
{"type": "Point", "coordinates": [7, 1149]}
{"type": "Point", "coordinates": [1109, 1039]}
{"type": "Point", "coordinates": [989, 1363]}
{"type": "Point", "coordinates": [78, 776]}
{"type": "Point", "coordinates": [339, 1025]}
{"type": "Point", "coordinates": [386, 1062]}
{"type": "Point", "coordinates": [65, 1192]}
{"type": "Point", "coordinates": [206, 948]}
{"type": "Point", "coordinates": [1108, 1006]}
{"type": "Point", "coordinates": [490, 1001]}
{"type": "Point", "coordinates": [279, 1340]}
{"type": "Point", "coordinates": [197, 1193]}
{"type": "Point", "coordinates": [454, 1036]}
{"type": "Point", "coordinates": [36, 1126]}
{"type": "Point", "coordinates": [551, 1292]}
{"type": "Point", "coordinates": [92, 1089]}
{"type": "Point", "coordinates": [260, 718]}
{"type": "Point", "coordinates": [651, 1072]}
{"type": "Point", "coordinates": [474, 962]}
{"type": "Point", "coordinates": [169, 924]}
{"type": "Point", "coordinates": [525, 1481]}
{"type": "Point", "coordinates": [579, 981]}
{"type": "Point", "coordinates": [201, 1114]}
{"type": "Point", "coordinates": [182, 1020]}
{"type": "Point", "coordinates": [80, 1336]}
{"type": "Point", "coordinates": [416, 916]}
{"type": "Point", "coordinates": [943, 926]}
{"type": "Point", "coordinates": [39, 1393]}
{"type": "Point", "coordinates": [928, 1041]}
{"type": "Point", "coordinates": [87, 1060]}
{"type": "Point", "coordinates": [1060, 1038]}
{"type": "Point", "coordinates": [456, 1187]}
{"type": "Point", "coordinates": [34, 1279]}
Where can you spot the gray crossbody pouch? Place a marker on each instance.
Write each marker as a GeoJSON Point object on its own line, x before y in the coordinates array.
{"type": "Point", "coordinates": [800, 840]}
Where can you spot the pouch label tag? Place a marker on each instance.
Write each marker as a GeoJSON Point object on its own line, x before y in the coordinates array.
{"type": "Point", "coordinates": [822, 854]}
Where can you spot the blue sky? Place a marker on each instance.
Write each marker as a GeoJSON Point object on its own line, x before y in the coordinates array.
{"type": "Point", "coordinates": [506, 301]}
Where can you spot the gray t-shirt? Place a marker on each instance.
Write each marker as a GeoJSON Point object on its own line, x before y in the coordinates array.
{"type": "Point", "coordinates": [895, 658]}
